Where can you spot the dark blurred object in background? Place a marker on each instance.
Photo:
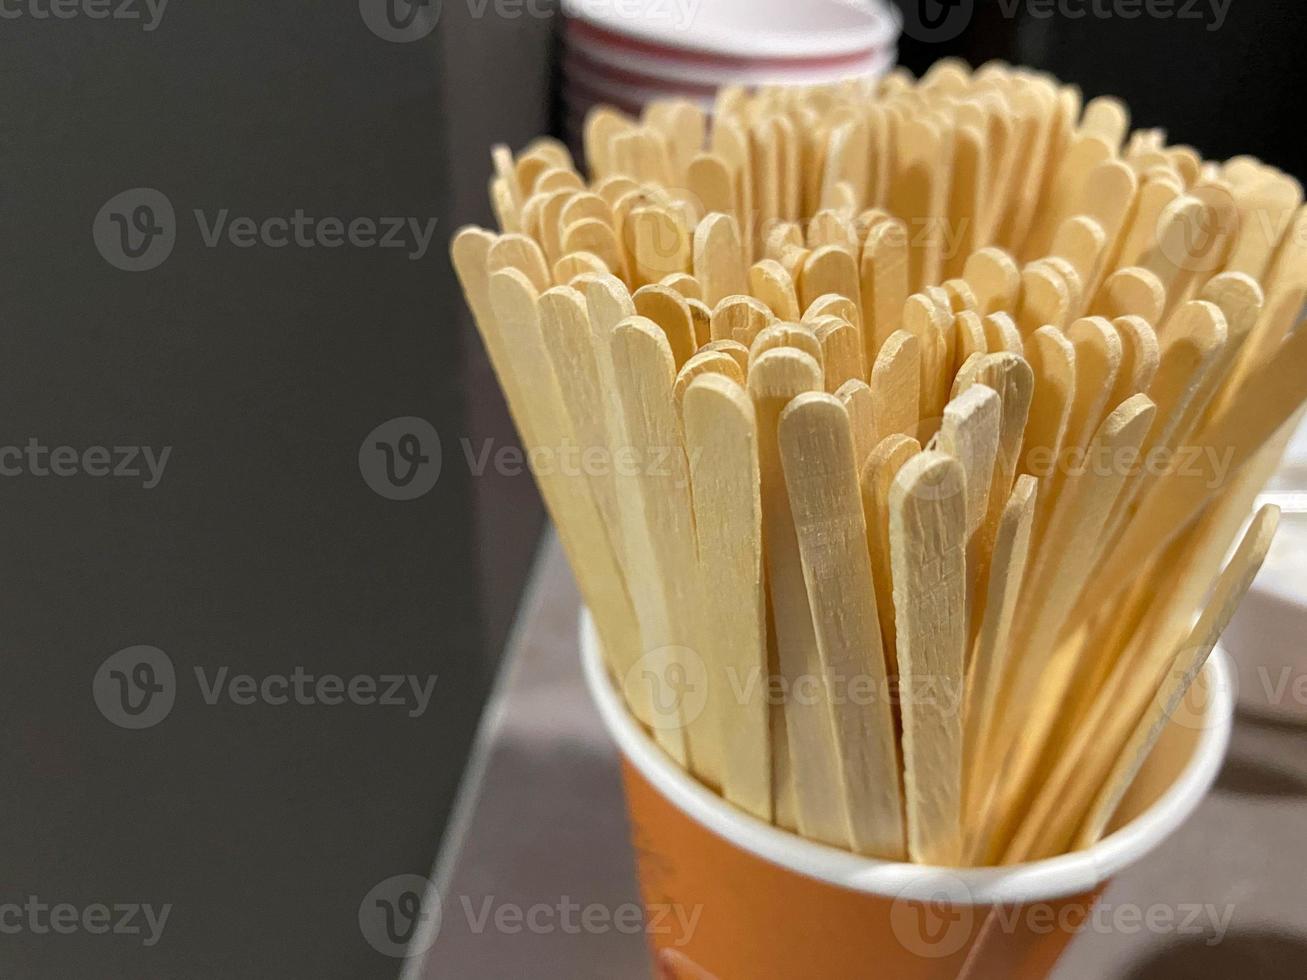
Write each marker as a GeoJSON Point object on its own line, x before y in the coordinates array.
{"type": "Point", "coordinates": [262, 549]}
{"type": "Point", "coordinates": [1225, 77]}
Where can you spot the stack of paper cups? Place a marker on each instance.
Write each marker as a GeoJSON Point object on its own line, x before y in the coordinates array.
{"type": "Point", "coordinates": [627, 52]}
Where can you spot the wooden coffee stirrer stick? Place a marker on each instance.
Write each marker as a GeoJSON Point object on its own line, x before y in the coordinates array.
{"type": "Point", "coordinates": [841, 349]}
{"type": "Point", "coordinates": [857, 399]}
{"type": "Point", "coordinates": [1195, 339]}
{"type": "Point", "coordinates": [1184, 669]}
{"type": "Point", "coordinates": [669, 309]}
{"type": "Point", "coordinates": [776, 377]}
{"type": "Point", "coordinates": [1097, 362]}
{"type": "Point", "coordinates": [876, 480]}
{"type": "Point", "coordinates": [883, 273]}
{"type": "Point", "coordinates": [608, 304]}
{"type": "Point", "coordinates": [816, 449]}
{"type": "Point", "coordinates": [595, 561]}
{"type": "Point", "coordinates": [896, 386]}
{"type": "Point", "coordinates": [970, 434]}
{"type": "Point", "coordinates": [1054, 579]}
{"type": "Point", "coordinates": [512, 336]}
{"type": "Point", "coordinates": [722, 445]}
{"type": "Point", "coordinates": [1011, 376]}
{"type": "Point", "coordinates": [928, 528]}
{"type": "Point", "coordinates": [569, 342]}
{"type": "Point", "coordinates": [1088, 750]}
{"type": "Point", "coordinates": [1227, 441]}
{"type": "Point", "coordinates": [719, 258]}
{"type": "Point", "coordinates": [993, 644]}
{"type": "Point", "coordinates": [769, 282]}
{"type": "Point", "coordinates": [705, 362]}
{"type": "Point", "coordinates": [660, 540]}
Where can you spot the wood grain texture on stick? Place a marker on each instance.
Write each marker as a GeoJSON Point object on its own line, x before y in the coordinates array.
{"type": "Point", "coordinates": [816, 448]}
{"type": "Point", "coordinates": [928, 526]}
{"type": "Point", "coordinates": [775, 378]}
{"type": "Point", "coordinates": [722, 445]}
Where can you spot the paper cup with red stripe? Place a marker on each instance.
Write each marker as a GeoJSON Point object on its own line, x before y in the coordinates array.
{"type": "Point", "coordinates": [626, 53]}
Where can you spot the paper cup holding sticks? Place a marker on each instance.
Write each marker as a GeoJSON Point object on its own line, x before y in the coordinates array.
{"type": "Point", "coordinates": [926, 464]}
{"type": "Point", "coordinates": [730, 896]}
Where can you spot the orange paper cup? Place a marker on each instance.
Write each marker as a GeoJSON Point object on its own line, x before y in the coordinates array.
{"type": "Point", "coordinates": [730, 897]}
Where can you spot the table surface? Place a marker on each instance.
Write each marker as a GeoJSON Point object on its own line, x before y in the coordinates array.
{"type": "Point", "coordinates": [544, 825]}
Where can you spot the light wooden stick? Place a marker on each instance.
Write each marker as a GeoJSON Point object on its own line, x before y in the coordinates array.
{"type": "Point", "coordinates": [884, 277]}
{"type": "Point", "coordinates": [858, 401]}
{"type": "Point", "coordinates": [970, 434]}
{"type": "Point", "coordinates": [928, 527]}
{"type": "Point", "coordinates": [1230, 590]}
{"type": "Point", "coordinates": [660, 536]}
{"type": "Point", "coordinates": [740, 318]}
{"type": "Point", "coordinates": [816, 449]}
{"type": "Point", "coordinates": [775, 378]}
{"type": "Point", "coordinates": [1058, 571]}
{"type": "Point", "coordinates": [994, 279]}
{"type": "Point", "coordinates": [719, 258]}
{"type": "Point", "coordinates": [721, 442]}
{"type": "Point", "coordinates": [841, 350]}
{"type": "Point", "coordinates": [1224, 445]}
{"type": "Point", "coordinates": [831, 269]}
{"type": "Point", "coordinates": [896, 385]}
{"type": "Point", "coordinates": [877, 479]}
{"type": "Point", "coordinates": [993, 644]}
{"type": "Point", "coordinates": [769, 282]}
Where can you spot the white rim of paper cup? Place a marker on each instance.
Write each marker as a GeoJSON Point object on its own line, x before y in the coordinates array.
{"type": "Point", "coordinates": [1066, 875]}
{"type": "Point", "coordinates": [880, 28]}
{"type": "Point", "coordinates": [873, 63]}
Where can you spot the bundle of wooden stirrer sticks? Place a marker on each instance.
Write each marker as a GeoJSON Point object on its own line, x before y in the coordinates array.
{"type": "Point", "coordinates": [907, 425]}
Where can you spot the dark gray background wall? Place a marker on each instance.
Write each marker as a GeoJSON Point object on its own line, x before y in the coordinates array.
{"type": "Point", "coordinates": [1225, 76]}
{"type": "Point", "coordinates": [261, 548]}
